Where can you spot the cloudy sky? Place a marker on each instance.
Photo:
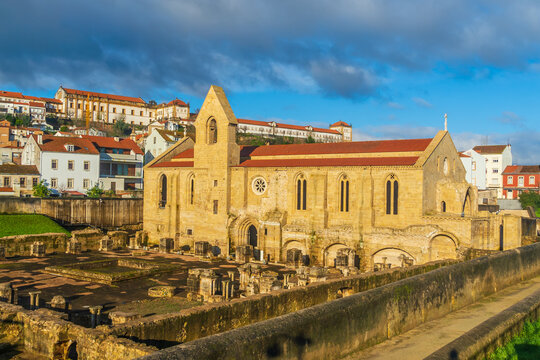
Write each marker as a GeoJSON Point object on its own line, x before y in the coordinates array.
{"type": "Point", "coordinates": [390, 68]}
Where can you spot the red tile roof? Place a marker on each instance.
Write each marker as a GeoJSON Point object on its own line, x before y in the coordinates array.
{"type": "Point", "coordinates": [36, 104]}
{"type": "Point", "coordinates": [17, 95]}
{"type": "Point", "coordinates": [490, 149]}
{"type": "Point", "coordinates": [343, 147]}
{"type": "Point", "coordinates": [29, 97]}
{"type": "Point", "coordinates": [379, 161]}
{"type": "Point", "coordinates": [105, 96]}
{"type": "Point", "coordinates": [187, 154]}
{"type": "Point", "coordinates": [340, 123]}
{"type": "Point", "coordinates": [111, 143]}
{"type": "Point", "coordinates": [58, 144]}
{"type": "Point", "coordinates": [461, 154]}
{"type": "Point", "coordinates": [6, 189]}
{"type": "Point", "coordinates": [50, 100]}
{"type": "Point", "coordinates": [177, 102]}
{"type": "Point", "coordinates": [173, 164]}
{"type": "Point", "coordinates": [286, 126]}
{"type": "Point", "coordinates": [522, 169]}
{"type": "Point", "coordinates": [19, 169]}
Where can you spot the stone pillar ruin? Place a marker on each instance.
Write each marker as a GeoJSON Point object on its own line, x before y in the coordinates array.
{"type": "Point", "coordinates": [231, 274]}
{"type": "Point", "coordinates": [74, 247]}
{"type": "Point", "coordinates": [34, 299]}
{"type": "Point", "coordinates": [105, 244]}
{"type": "Point", "coordinates": [202, 248]}
{"type": "Point", "coordinates": [95, 313]}
{"type": "Point", "coordinates": [244, 253]}
{"type": "Point", "coordinates": [7, 293]}
{"type": "Point", "coordinates": [166, 245]}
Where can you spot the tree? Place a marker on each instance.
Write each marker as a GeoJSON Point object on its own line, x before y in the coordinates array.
{"type": "Point", "coordinates": [41, 190]}
{"type": "Point", "coordinates": [94, 192]}
{"type": "Point", "coordinates": [529, 198]}
{"type": "Point", "coordinates": [120, 128]}
{"type": "Point", "coordinates": [310, 140]}
{"type": "Point", "coordinates": [64, 128]}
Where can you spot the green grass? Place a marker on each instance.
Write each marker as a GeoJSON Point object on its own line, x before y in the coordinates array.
{"type": "Point", "coordinates": [525, 346]}
{"type": "Point", "coordinates": [538, 212]}
{"type": "Point", "coordinates": [28, 224]}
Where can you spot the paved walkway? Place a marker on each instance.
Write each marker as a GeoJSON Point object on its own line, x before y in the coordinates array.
{"type": "Point", "coordinates": [431, 336]}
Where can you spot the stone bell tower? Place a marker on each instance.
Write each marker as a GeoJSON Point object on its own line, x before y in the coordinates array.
{"type": "Point", "coordinates": [215, 126]}
{"type": "Point", "coordinates": [215, 151]}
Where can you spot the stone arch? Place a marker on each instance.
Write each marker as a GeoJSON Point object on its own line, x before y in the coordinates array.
{"type": "Point", "coordinates": [391, 257]}
{"type": "Point", "coordinates": [162, 190]}
{"type": "Point", "coordinates": [211, 131]}
{"type": "Point", "coordinates": [467, 206]}
{"type": "Point", "coordinates": [243, 231]}
{"type": "Point", "coordinates": [330, 253]}
{"type": "Point", "coordinates": [391, 194]}
{"type": "Point", "coordinates": [190, 189]}
{"type": "Point", "coordinates": [442, 246]}
{"type": "Point", "coordinates": [344, 184]}
{"type": "Point", "coordinates": [300, 191]}
{"type": "Point", "coordinates": [292, 244]}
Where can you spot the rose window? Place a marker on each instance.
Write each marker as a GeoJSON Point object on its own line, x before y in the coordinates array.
{"type": "Point", "coordinates": [258, 186]}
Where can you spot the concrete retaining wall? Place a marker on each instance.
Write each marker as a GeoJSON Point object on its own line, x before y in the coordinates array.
{"type": "Point", "coordinates": [344, 326]}
{"type": "Point", "coordinates": [105, 213]}
{"type": "Point", "coordinates": [484, 339]}
{"type": "Point", "coordinates": [197, 322]}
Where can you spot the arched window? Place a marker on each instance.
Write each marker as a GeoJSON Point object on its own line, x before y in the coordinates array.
{"type": "Point", "coordinates": [212, 132]}
{"type": "Point", "coordinates": [443, 206]}
{"type": "Point", "coordinates": [344, 194]}
{"type": "Point", "coordinates": [301, 193]}
{"type": "Point", "coordinates": [163, 191]}
{"type": "Point", "coordinates": [190, 189]}
{"type": "Point", "coordinates": [392, 195]}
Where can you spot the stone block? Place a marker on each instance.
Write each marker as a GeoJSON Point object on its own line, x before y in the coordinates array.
{"type": "Point", "coordinates": [166, 245]}
{"type": "Point", "coordinates": [58, 302]}
{"type": "Point", "coordinates": [202, 248]}
{"type": "Point", "coordinates": [294, 257]}
{"type": "Point", "coordinates": [244, 253]}
{"type": "Point", "coordinates": [37, 249]}
{"type": "Point", "coordinates": [161, 291]}
{"type": "Point", "coordinates": [74, 247]}
{"type": "Point", "coordinates": [106, 244]}
{"type": "Point", "coordinates": [120, 317]}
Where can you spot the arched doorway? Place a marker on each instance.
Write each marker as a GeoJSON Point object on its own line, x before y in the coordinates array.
{"type": "Point", "coordinates": [390, 258]}
{"type": "Point", "coordinates": [442, 247]}
{"type": "Point", "coordinates": [252, 236]}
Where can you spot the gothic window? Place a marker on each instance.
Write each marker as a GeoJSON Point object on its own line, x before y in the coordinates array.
{"type": "Point", "coordinates": [163, 191]}
{"type": "Point", "coordinates": [344, 194]}
{"type": "Point", "coordinates": [301, 193]}
{"type": "Point", "coordinates": [212, 132]}
{"type": "Point", "coordinates": [392, 195]}
{"type": "Point", "coordinates": [191, 190]}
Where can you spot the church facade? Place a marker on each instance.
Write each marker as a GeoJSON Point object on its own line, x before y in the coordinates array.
{"type": "Point", "coordinates": [382, 203]}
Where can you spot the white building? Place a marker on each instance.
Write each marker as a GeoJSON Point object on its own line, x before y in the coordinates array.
{"type": "Point", "coordinates": [497, 158]}
{"type": "Point", "coordinates": [158, 141]}
{"type": "Point", "coordinates": [173, 110]}
{"type": "Point", "coordinates": [15, 103]}
{"type": "Point", "coordinates": [475, 165]}
{"type": "Point", "coordinates": [65, 163]}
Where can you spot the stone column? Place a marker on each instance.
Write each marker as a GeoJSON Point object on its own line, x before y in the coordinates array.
{"type": "Point", "coordinates": [231, 274]}
{"type": "Point", "coordinates": [34, 299]}
{"type": "Point", "coordinates": [225, 288]}
{"type": "Point", "coordinates": [95, 312]}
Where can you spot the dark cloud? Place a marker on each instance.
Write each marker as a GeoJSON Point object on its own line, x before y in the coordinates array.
{"type": "Point", "coordinates": [339, 47]}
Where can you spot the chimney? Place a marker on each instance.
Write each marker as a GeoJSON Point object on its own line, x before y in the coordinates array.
{"type": "Point", "coordinates": [40, 139]}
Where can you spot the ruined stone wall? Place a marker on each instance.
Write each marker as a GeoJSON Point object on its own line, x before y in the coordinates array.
{"type": "Point", "coordinates": [50, 336]}
{"type": "Point", "coordinates": [194, 323]}
{"type": "Point", "coordinates": [343, 326]}
{"type": "Point", "coordinates": [105, 213]}
{"type": "Point", "coordinates": [19, 245]}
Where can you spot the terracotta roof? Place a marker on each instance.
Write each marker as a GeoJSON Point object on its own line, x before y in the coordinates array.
{"type": "Point", "coordinates": [176, 102]}
{"type": "Point", "coordinates": [187, 154]}
{"type": "Point", "coordinates": [17, 95]}
{"type": "Point", "coordinates": [111, 143]}
{"type": "Point", "coordinates": [343, 147]}
{"type": "Point", "coordinates": [6, 189]}
{"type": "Point", "coordinates": [50, 100]}
{"type": "Point", "coordinates": [19, 169]}
{"type": "Point", "coordinates": [522, 169]}
{"type": "Point", "coordinates": [29, 97]}
{"type": "Point", "coordinates": [105, 96]}
{"type": "Point", "coordinates": [461, 154]}
{"type": "Point", "coordinates": [286, 126]}
{"type": "Point", "coordinates": [173, 164]}
{"type": "Point", "coordinates": [340, 123]}
{"type": "Point", "coordinates": [57, 144]}
{"type": "Point", "coordinates": [490, 149]}
{"type": "Point", "coordinates": [36, 104]}
{"type": "Point", "coordinates": [72, 192]}
{"type": "Point", "coordinates": [380, 161]}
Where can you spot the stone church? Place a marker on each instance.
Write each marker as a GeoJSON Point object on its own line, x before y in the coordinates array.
{"type": "Point", "coordinates": [369, 204]}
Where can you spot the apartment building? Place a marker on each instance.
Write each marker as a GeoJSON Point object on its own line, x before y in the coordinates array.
{"type": "Point", "coordinates": [520, 178]}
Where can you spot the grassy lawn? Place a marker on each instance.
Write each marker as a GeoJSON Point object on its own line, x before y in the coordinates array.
{"type": "Point", "coordinates": [525, 346]}
{"type": "Point", "coordinates": [28, 224]}
{"type": "Point", "coordinates": [538, 212]}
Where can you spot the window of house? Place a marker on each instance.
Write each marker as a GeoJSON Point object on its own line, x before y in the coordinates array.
{"type": "Point", "coordinates": [70, 147]}
{"type": "Point", "coordinates": [495, 171]}
{"type": "Point", "coordinates": [521, 181]}
{"type": "Point", "coordinates": [150, 114]}
{"type": "Point", "coordinates": [141, 113]}
{"type": "Point", "coordinates": [132, 112]}
{"type": "Point", "coordinates": [473, 165]}
{"type": "Point", "coordinates": [54, 164]}
{"type": "Point", "coordinates": [301, 193]}
{"type": "Point", "coordinates": [7, 181]}
{"type": "Point", "coordinates": [531, 180]}
{"type": "Point", "coordinates": [71, 165]}
{"type": "Point", "coordinates": [215, 183]}
{"type": "Point", "coordinates": [190, 231]}
{"type": "Point", "coordinates": [86, 183]}
{"type": "Point", "coordinates": [443, 206]}
{"type": "Point", "coordinates": [94, 108]}
{"type": "Point", "coordinates": [86, 165]}
{"type": "Point", "coordinates": [392, 194]}
{"type": "Point", "coordinates": [510, 179]}
{"type": "Point", "coordinates": [155, 139]}
{"type": "Point", "coordinates": [79, 106]}
{"type": "Point", "coordinates": [71, 105]}
{"type": "Point", "coordinates": [101, 108]}
{"type": "Point", "coordinates": [113, 109]}
{"type": "Point", "coordinates": [495, 160]}
{"type": "Point", "coordinates": [215, 206]}
{"type": "Point", "coordinates": [344, 195]}
{"type": "Point", "coordinates": [22, 182]}
{"type": "Point", "coordinates": [54, 183]}
{"type": "Point", "coordinates": [35, 181]}
{"type": "Point", "coordinates": [70, 183]}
